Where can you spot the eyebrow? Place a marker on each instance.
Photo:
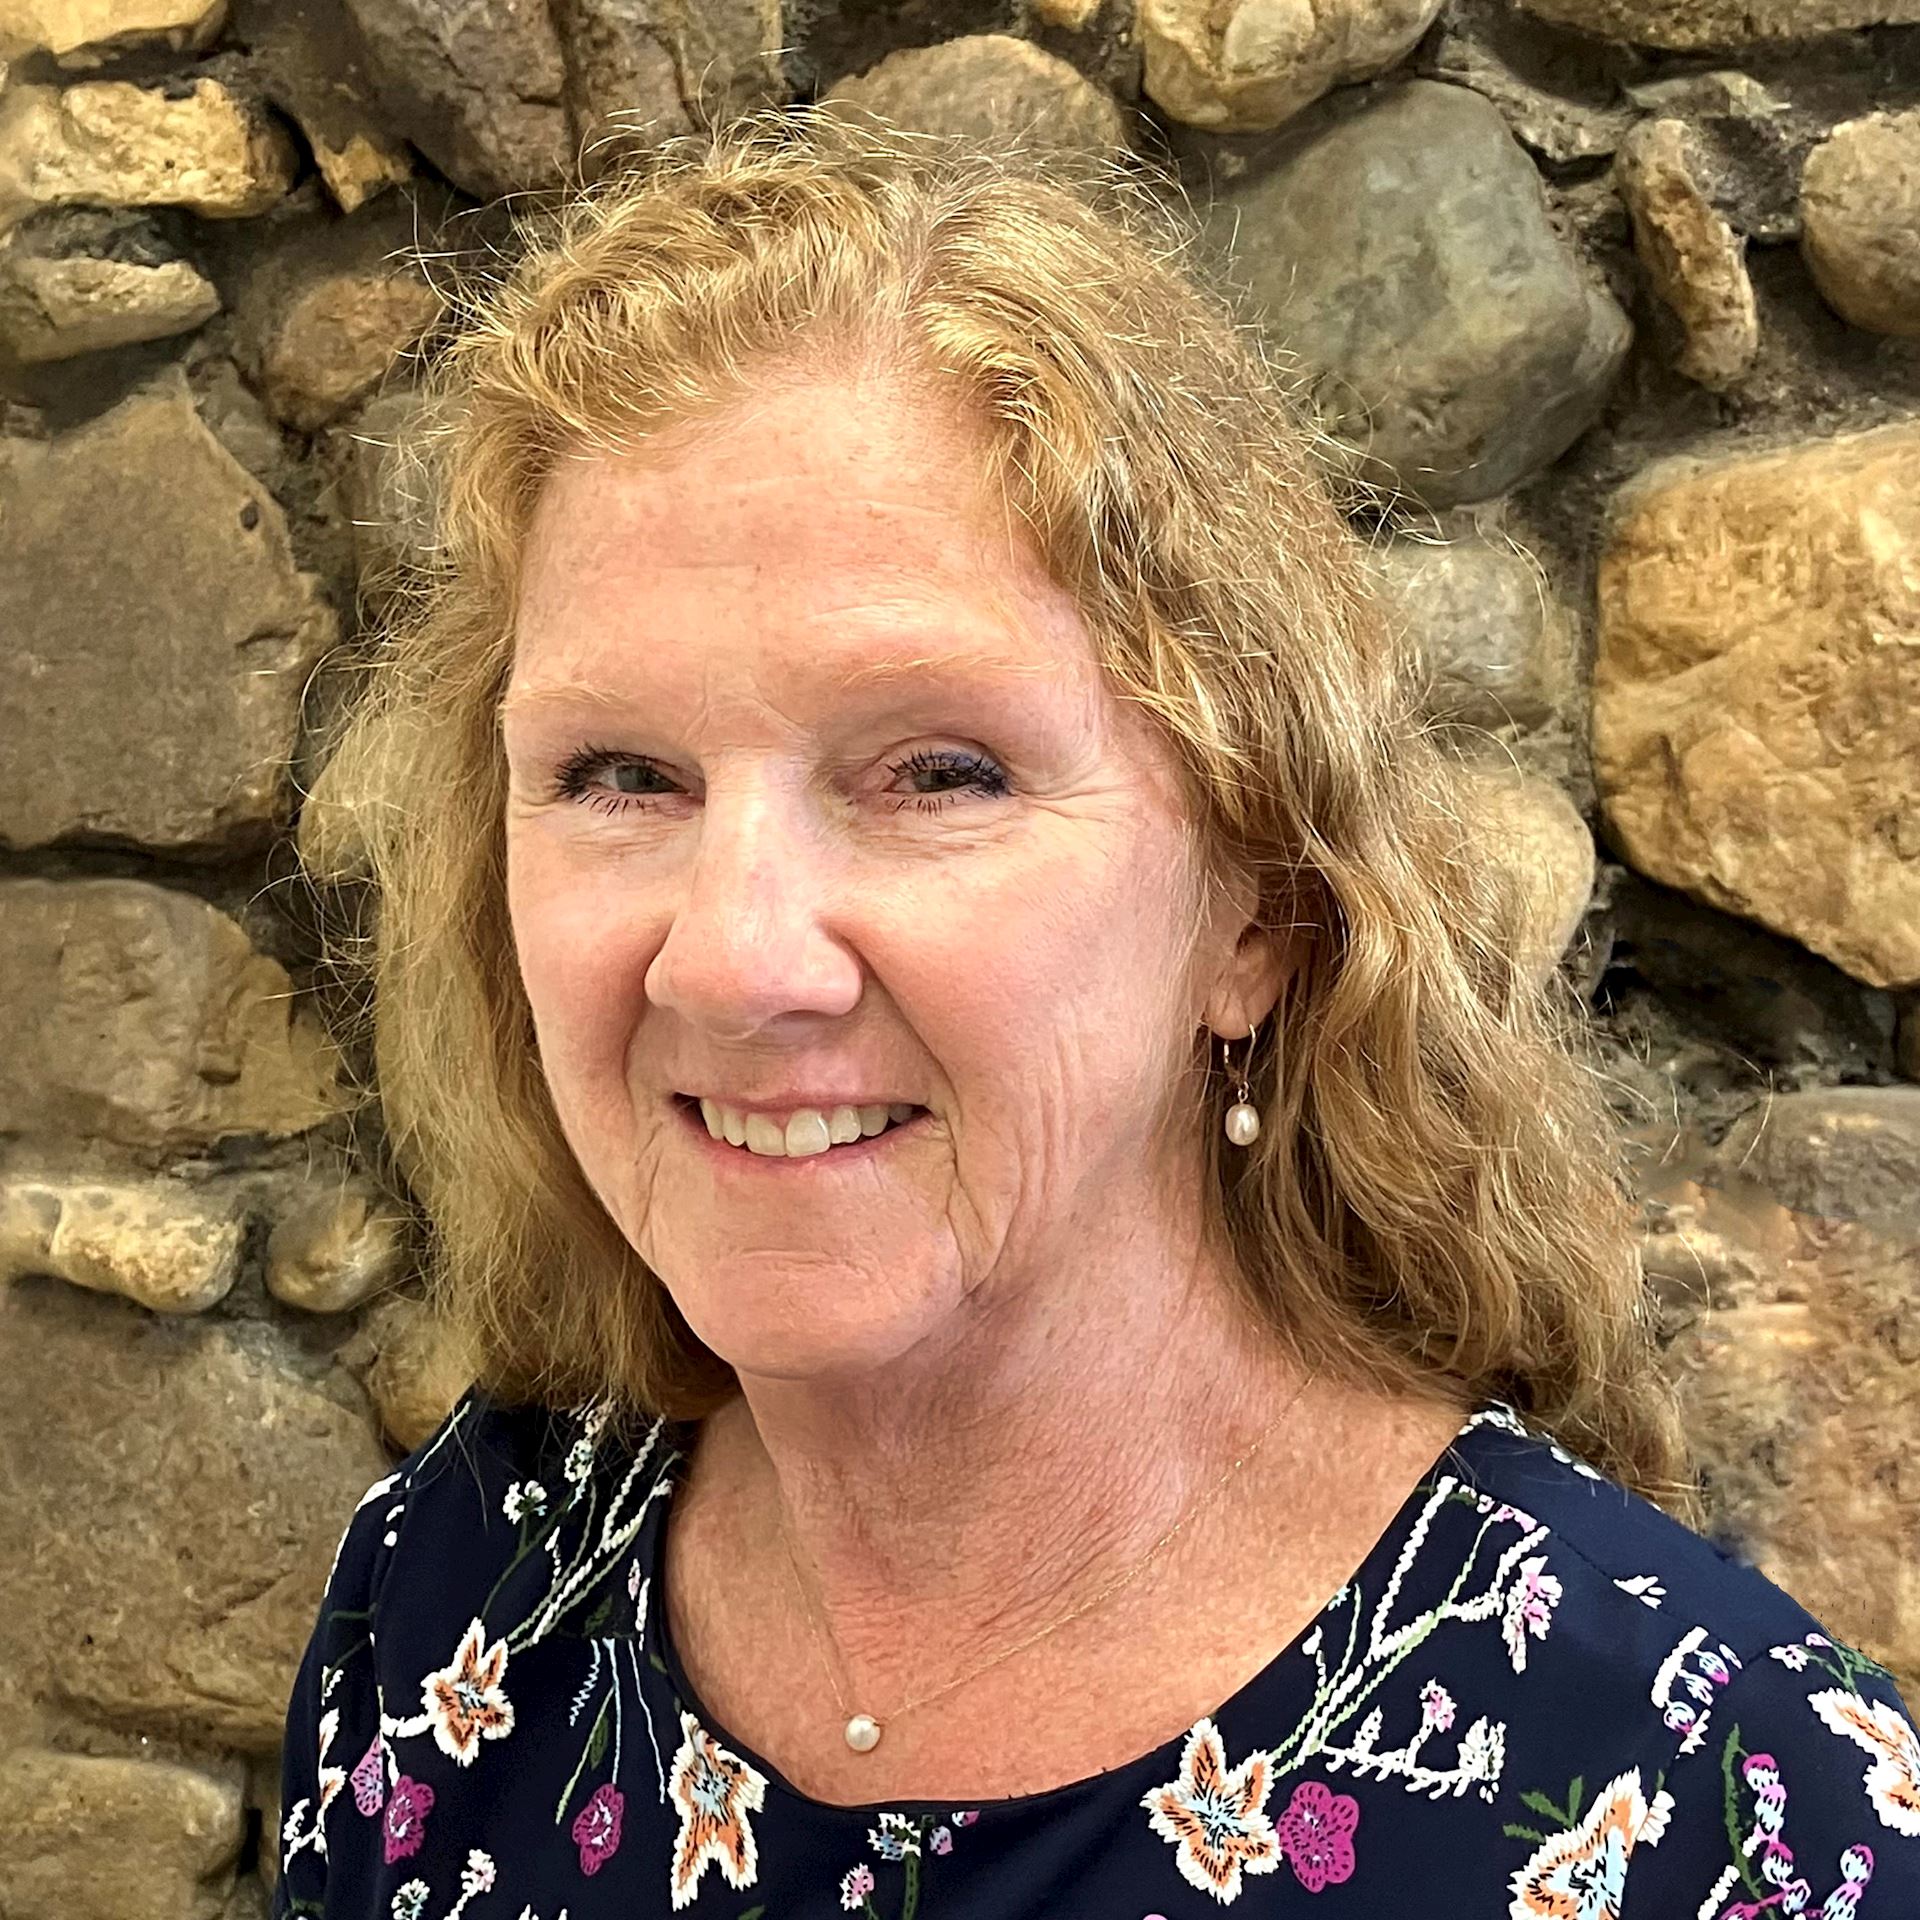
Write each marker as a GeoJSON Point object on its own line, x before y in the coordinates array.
{"type": "Point", "coordinates": [972, 665]}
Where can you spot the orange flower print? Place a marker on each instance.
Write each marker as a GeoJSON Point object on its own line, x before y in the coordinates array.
{"type": "Point", "coordinates": [715, 1791]}
{"type": "Point", "coordinates": [1893, 1778]}
{"type": "Point", "coordinates": [465, 1701]}
{"type": "Point", "coordinates": [1215, 1819]}
{"type": "Point", "coordinates": [1581, 1874]}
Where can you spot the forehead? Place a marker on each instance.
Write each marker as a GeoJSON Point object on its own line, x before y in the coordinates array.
{"type": "Point", "coordinates": [831, 531]}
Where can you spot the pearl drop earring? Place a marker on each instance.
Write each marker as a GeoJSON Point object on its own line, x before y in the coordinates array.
{"type": "Point", "coordinates": [1243, 1117]}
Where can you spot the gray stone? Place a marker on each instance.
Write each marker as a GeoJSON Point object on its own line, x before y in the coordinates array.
{"type": "Point", "coordinates": [1400, 248]}
{"type": "Point", "coordinates": [639, 71]}
{"type": "Point", "coordinates": [990, 88]}
{"type": "Point", "coordinates": [78, 280]}
{"type": "Point", "coordinates": [1495, 642]}
{"type": "Point", "coordinates": [171, 1494]}
{"type": "Point", "coordinates": [1843, 1153]}
{"type": "Point", "coordinates": [145, 1017]}
{"type": "Point", "coordinates": [160, 637]}
{"type": "Point", "coordinates": [169, 1246]}
{"type": "Point", "coordinates": [98, 1837]}
{"type": "Point", "coordinates": [474, 84]}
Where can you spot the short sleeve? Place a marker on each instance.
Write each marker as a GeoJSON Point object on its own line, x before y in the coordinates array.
{"type": "Point", "coordinates": [1804, 1797]}
{"type": "Point", "coordinates": [332, 1727]}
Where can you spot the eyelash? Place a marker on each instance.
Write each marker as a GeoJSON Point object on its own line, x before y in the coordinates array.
{"type": "Point", "coordinates": [978, 774]}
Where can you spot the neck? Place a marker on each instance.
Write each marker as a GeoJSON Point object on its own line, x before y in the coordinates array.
{"type": "Point", "coordinates": [978, 1488]}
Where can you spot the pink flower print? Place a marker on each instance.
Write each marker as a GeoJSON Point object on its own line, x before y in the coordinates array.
{"type": "Point", "coordinates": [855, 1886]}
{"type": "Point", "coordinates": [369, 1778]}
{"type": "Point", "coordinates": [406, 1825]}
{"type": "Point", "coordinates": [1316, 1834]}
{"type": "Point", "coordinates": [1436, 1706]}
{"type": "Point", "coordinates": [941, 1840]}
{"type": "Point", "coordinates": [596, 1827]}
{"type": "Point", "coordinates": [1529, 1608]}
{"type": "Point", "coordinates": [966, 1819]}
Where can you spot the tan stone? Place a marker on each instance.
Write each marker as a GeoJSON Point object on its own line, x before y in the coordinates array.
{"type": "Point", "coordinates": [144, 1016]}
{"type": "Point", "coordinates": [117, 144]}
{"type": "Point", "coordinates": [1717, 23]}
{"type": "Point", "coordinates": [1069, 16]}
{"type": "Point", "coordinates": [334, 1247]}
{"type": "Point", "coordinates": [170, 1246]}
{"type": "Point", "coordinates": [1534, 836]}
{"type": "Point", "coordinates": [88, 28]}
{"type": "Point", "coordinates": [328, 311]}
{"type": "Point", "coordinates": [358, 163]}
{"type": "Point", "coordinates": [1798, 1381]}
{"type": "Point", "coordinates": [989, 87]}
{"type": "Point", "coordinates": [171, 1494]}
{"type": "Point", "coordinates": [1860, 221]}
{"type": "Point", "coordinates": [1756, 702]}
{"type": "Point", "coordinates": [161, 638]}
{"type": "Point", "coordinates": [55, 309]}
{"type": "Point", "coordinates": [1693, 258]}
{"type": "Point", "coordinates": [418, 1368]}
{"type": "Point", "coordinates": [86, 1837]}
{"type": "Point", "coordinates": [1246, 67]}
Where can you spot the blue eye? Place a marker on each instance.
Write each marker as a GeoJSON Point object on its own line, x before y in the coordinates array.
{"type": "Point", "coordinates": [935, 775]}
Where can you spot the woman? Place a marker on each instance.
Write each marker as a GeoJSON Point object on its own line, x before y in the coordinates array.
{"type": "Point", "coordinates": [984, 1130]}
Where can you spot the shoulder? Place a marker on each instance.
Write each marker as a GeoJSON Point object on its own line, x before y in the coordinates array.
{"type": "Point", "coordinates": [1732, 1748]}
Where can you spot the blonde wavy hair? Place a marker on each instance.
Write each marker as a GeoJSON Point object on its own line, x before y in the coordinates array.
{"type": "Point", "coordinates": [1437, 1198]}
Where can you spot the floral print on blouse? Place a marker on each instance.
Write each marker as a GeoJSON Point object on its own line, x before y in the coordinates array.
{"type": "Point", "coordinates": [1537, 1696]}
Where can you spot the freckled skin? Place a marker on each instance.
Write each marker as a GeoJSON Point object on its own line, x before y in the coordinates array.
{"type": "Point", "coordinates": [1015, 963]}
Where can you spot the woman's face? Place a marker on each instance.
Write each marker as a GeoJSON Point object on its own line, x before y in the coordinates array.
{"type": "Point", "coordinates": [818, 800]}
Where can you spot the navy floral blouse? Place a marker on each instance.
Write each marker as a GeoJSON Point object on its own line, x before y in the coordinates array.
{"type": "Point", "coordinates": [1538, 1695]}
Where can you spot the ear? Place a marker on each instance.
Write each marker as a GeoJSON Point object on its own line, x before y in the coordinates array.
{"type": "Point", "coordinates": [1246, 987]}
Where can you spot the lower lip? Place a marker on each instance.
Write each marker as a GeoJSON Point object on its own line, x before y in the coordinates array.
{"type": "Point", "coordinates": [852, 1152]}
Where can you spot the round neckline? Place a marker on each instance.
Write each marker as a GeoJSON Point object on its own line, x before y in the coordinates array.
{"type": "Point", "coordinates": [1162, 1759]}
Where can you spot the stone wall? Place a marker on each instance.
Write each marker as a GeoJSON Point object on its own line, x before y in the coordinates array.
{"type": "Point", "coordinates": [1618, 299]}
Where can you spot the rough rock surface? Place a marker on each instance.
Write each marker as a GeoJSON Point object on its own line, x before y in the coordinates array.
{"type": "Point", "coordinates": [1756, 706]}
{"type": "Point", "coordinates": [52, 309]}
{"type": "Point", "coordinates": [163, 637]}
{"type": "Point", "coordinates": [1693, 259]}
{"type": "Point", "coordinates": [1839, 1153]}
{"type": "Point", "coordinates": [169, 1246]}
{"type": "Point", "coordinates": [98, 1837]}
{"type": "Point", "coordinates": [648, 69]}
{"type": "Point", "coordinates": [1535, 837]}
{"type": "Point", "coordinates": [1246, 67]}
{"type": "Point", "coordinates": [1860, 222]}
{"type": "Point", "coordinates": [328, 309]}
{"type": "Point", "coordinates": [88, 29]}
{"type": "Point", "coordinates": [991, 88]}
{"type": "Point", "coordinates": [1719, 23]}
{"type": "Point", "coordinates": [333, 1247]}
{"type": "Point", "coordinates": [203, 147]}
{"type": "Point", "coordinates": [415, 1367]}
{"type": "Point", "coordinates": [474, 84]}
{"type": "Point", "coordinates": [171, 1492]}
{"type": "Point", "coordinates": [1400, 247]}
{"type": "Point", "coordinates": [1495, 646]}
{"type": "Point", "coordinates": [145, 1017]}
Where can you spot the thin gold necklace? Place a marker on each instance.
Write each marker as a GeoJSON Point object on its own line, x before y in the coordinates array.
{"type": "Point", "coordinates": [862, 1730]}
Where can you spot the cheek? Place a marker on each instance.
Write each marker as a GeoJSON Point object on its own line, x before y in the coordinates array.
{"type": "Point", "coordinates": [583, 951]}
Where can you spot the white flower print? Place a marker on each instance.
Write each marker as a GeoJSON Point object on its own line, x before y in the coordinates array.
{"type": "Point", "coordinates": [715, 1791]}
{"type": "Point", "coordinates": [1215, 1816]}
{"type": "Point", "coordinates": [522, 1498]}
{"type": "Point", "coordinates": [1892, 1778]}
{"type": "Point", "coordinates": [1529, 1610]}
{"type": "Point", "coordinates": [855, 1884]}
{"type": "Point", "coordinates": [465, 1701]}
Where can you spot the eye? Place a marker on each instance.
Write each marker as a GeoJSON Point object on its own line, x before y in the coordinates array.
{"type": "Point", "coordinates": [970, 772]}
{"type": "Point", "coordinates": [571, 782]}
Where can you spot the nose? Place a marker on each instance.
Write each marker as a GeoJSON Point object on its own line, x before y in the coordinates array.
{"type": "Point", "coordinates": [749, 944]}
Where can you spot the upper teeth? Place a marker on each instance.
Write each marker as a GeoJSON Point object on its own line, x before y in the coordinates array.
{"type": "Point", "coordinates": [805, 1130]}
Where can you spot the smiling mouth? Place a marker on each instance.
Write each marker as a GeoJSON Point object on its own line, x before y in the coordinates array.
{"type": "Point", "coordinates": [799, 1134]}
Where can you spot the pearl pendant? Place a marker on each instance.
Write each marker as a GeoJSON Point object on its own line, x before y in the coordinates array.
{"type": "Point", "coordinates": [863, 1733]}
{"type": "Point", "coordinates": [1243, 1124]}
